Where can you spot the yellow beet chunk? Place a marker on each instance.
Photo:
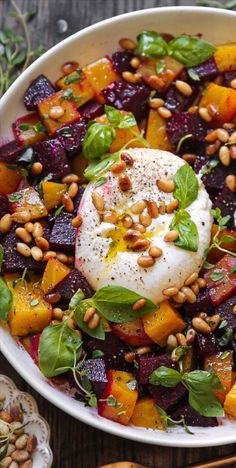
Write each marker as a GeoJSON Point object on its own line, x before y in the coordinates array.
{"type": "Point", "coordinates": [28, 200]}
{"type": "Point", "coordinates": [230, 402]}
{"type": "Point", "coordinates": [52, 194]}
{"type": "Point", "coordinates": [163, 322]}
{"type": "Point", "coordinates": [30, 313]}
{"type": "Point", "coordinates": [54, 273]}
{"type": "Point", "coordinates": [156, 132]}
{"type": "Point", "coordinates": [100, 74]}
{"type": "Point", "coordinates": [225, 57]}
{"type": "Point", "coordinates": [146, 414]}
{"type": "Point", "coordinates": [82, 88]}
{"type": "Point", "coordinates": [9, 179]}
{"type": "Point", "coordinates": [223, 368]}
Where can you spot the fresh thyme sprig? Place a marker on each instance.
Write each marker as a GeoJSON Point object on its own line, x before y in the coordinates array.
{"type": "Point", "coordinates": [230, 5]}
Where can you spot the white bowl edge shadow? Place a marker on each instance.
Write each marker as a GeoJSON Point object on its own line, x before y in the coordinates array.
{"type": "Point", "coordinates": [216, 25]}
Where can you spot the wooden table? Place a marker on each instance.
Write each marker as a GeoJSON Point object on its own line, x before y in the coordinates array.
{"type": "Point", "coordinates": [74, 444]}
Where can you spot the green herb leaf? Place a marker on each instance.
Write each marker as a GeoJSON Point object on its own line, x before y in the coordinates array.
{"type": "Point", "coordinates": [97, 168]}
{"type": "Point", "coordinates": [6, 300]}
{"type": "Point", "coordinates": [160, 67]}
{"type": "Point", "coordinates": [151, 44]}
{"type": "Point", "coordinates": [79, 313]}
{"type": "Point", "coordinates": [39, 127]}
{"type": "Point", "coordinates": [200, 380]}
{"type": "Point", "coordinates": [24, 127]}
{"type": "Point", "coordinates": [97, 141]}
{"type": "Point", "coordinates": [114, 115]}
{"type": "Point", "coordinates": [34, 302]}
{"type": "Point", "coordinates": [76, 77]}
{"type": "Point", "coordinates": [186, 190]}
{"type": "Point", "coordinates": [193, 75]}
{"type": "Point", "coordinates": [190, 50]}
{"type": "Point", "coordinates": [188, 234]}
{"type": "Point", "coordinates": [181, 141]}
{"type": "Point", "coordinates": [224, 355]}
{"type": "Point", "coordinates": [127, 121]}
{"type": "Point", "coordinates": [68, 94]}
{"type": "Point", "coordinates": [226, 338]}
{"type": "Point", "coordinates": [1, 256]}
{"type": "Point", "coordinates": [59, 211]}
{"type": "Point", "coordinates": [206, 404]}
{"type": "Point", "coordinates": [76, 299]}
{"type": "Point", "coordinates": [217, 275]}
{"type": "Point", "coordinates": [132, 384]}
{"type": "Point", "coordinates": [97, 354]}
{"type": "Point", "coordinates": [14, 197]}
{"type": "Point", "coordinates": [100, 182]}
{"type": "Point", "coordinates": [165, 376]}
{"type": "Point", "coordinates": [208, 266]}
{"type": "Point", "coordinates": [223, 324]}
{"type": "Point", "coordinates": [227, 239]}
{"type": "Point", "coordinates": [233, 271]}
{"type": "Point", "coordinates": [3, 451]}
{"type": "Point", "coordinates": [208, 168]}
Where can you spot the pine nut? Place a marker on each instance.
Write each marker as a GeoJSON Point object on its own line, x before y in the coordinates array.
{"type": "Point", "coordinates": [57, 313]}
{"type": "Point", "coordinates": [224, 155]}
{"type": "Point", "coordinates": [6, 462]}
{"type": "Point", "coordinates": [164, 113]}
{"type": "Point", "coordinates": [211, 149]}
{"type": "Point", "coordinates": [190, 336]}
{"type": "Point", "coordinates": [145, 219]}
{"type": "Point", "coordinates": [156, 82]}
{"type": "Point", "coordinates": [132, 236]}
{"type": "Point", "coordinates": [191, 297]}
{"type": "Point", "coordinates": [139, 227]}
{"type": "Point", "coordinates": [138, 207]}
{"type": "Point", "coordinates": [189, 158]}
{"type": "Point", "coordinates": [143, 350]}
{"type": "Point", "coordinates": [200, 325]}
{"type": "Point", "coordinates": [127, 159]}
{"type": "Point", "coordinates": [37, 254]}
{"type": "Point", "coordinates": [180, 298]}
{"type": "Point", "coordinates": [181, 339]}
{"type": "Point", "coordinates": [155, 103]}
{"type": "Point", "coordinates": [204, 114]}
{"type": "Point", "coordinates": [124, 182]}
{"type": "Point", "coordinates": [140, 245]}
{"type": "Point", "coordinates": [145, 261]}
{"type": "Point", "coordinates": [211, 137]}
{"type": "Point", "coordinates": [228, 126]}
{"type": "Point", "coordinates": [20, 456]}
{"type": "Point", "coordinates": [139, 304]}
{"type": "Point", "coordinates": [23, 235]}
{"type": "Point", "coordinates": [118, 167]}
{"type": "Point", "coordinates": [193, 109]}
{"type": "Point", "coordinates": [165, 185]}
{"type": "Point", "coordinates": [52, 298]}
{"type": "Point", "coordinates": [162, 207]}
{"type": "Point", "coordinates": [49, 254]}
{"type": "Point", "coordinates": [212, 109]}
{"type": "Point", "coordinates": [129, 357]}
{"type": "Point", "coordinates": [202, 315]}
{"type": "Point", "coordinates": [5, 223]}
{"type": "Point", "coordinates": [191, 279]}
{"type": "Point", "coordinates": [89, 314]}
{"type": "Point", "coordinates": [233, 83]}
{"type": "Point", "coordinates": [155, 252]}
{"type": "Point", "coordinates": [110, 217]}
{"type": "Point", "coordinates": [170, 292]}
{"type": "Point", "coordinates": [232, 137]}
{"type": "Point", "coordinates": [38, 230]}
{"type": "Point", "coordinates": [27, 464]}
{"type": "Point", "coordinates": [230, 181]}
{"type": "Point", "coordinates": [67, 202]}
{"type": "Point", "coordinates": [70, 322]}
{"type": "Point", "coordinates": [195, 288]}
{"type": "Point", "coordinates": [42, 243]}
{"type": "Point", "coordinates": [234, 309]}
{"type": "Point", "coordinates": [201, 283]}
{"type": "Point", "coordinates": [233, 152]}
{"type": "Point", "coordinates": [183, 87]}
{"type": "Point", "coordinates": [214, 321]}
{"type": "Point", "coordinates": [222, 135]}
{"type": "Point", "coordinates": [127, 44]}
{"type": "Point", "coordinates": [37, 168]}
{"type": "Point", "coordinates": [94, 322]}
{"type": "Point", "coordinates": [70, 259]}
{"type": "Point", "coordinates": [171, 342]}
{"type": "Point", "coordinates": [152, 209]}
{"type": "Point", "coordinates": [56, 112]}
{"type": "Point", "coordinates": [70, 178]}
{"type": "Point", "coordinates": [73, 190]}
{"type": "Point", "coordinates": [17, 426]}
{"type": "Point", "coordinates": [135, 62]}
{"type": "Point", "coordinates": [62, 257]}
{"type": "Point", "coordinates": [21, 217]}
{"type": "Point", "coordinates": [171, 236]}
{"type": "Point", "coordinates": [98, 201]}
{"type": "Point", "coordinates": [172, 206]}
{"type": "Point", "coordinates": [29, 227]}
{"type": "Point", "coordinates": [77, 221]}
{"type": "Point", "coordinates": [21, 442]}
{"type": "Point", "coordinates": [23, 249]}
{"type": "Point", "coordinates": [131, 77]}
{"type": "Point", "coordinates": [127, 221]}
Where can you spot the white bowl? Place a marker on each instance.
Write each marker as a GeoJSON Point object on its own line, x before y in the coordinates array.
{"type": "Point", "coordinates": [216, 25]}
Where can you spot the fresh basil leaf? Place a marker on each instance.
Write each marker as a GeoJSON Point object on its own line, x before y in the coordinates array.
{"type": "Point", "coordinates": [97, 141]}
{"type": "Point", "coordinates": [190, 50]}
{"type": "Point", "coordinates": [188, 234]}
{"type": "Point", "coordinates": [127, 121]}
{"type": "Point", "coordinates": [151, 44]}
{"type": "Point", "coordinates": [116, 304]}
{"type": "Point", "coordinates": [206, 404]}
{"type": "Point", "coordinates": [1, 256]}
{"type": "Point", "coordinates": [97, 168]}
{"type": "Point", "coordinates": [97, 354]}
{"type": "Point", "coordinates": [201, 381]}
{"type": "Point", "coordinates": [227, 239]}
{"type": "Point", "coordinates": [223, 324]}
{"type": "Point", "coordinates": [165, 376]}
{"type": "Point", "coordinates": [186, 182]}
{"type": "Point", "coordinates": [80, 310]}
{"type": "Point", "coordinates": [6, 300]}
{"type": "Point", "coordinates": [100, 182]}
{"type": "Point", "coordinates": [226, 338]}
{"type": "Point", "coordinates": [193, 75]}
{"type": "Point", "coordinates": [217, 275]}
{"type": "Point", "coordinates": [58, 347]}
{"type": "Point", "coordinates": [114, 115]}
{"type": "Point", "coordinates": [76, 299]}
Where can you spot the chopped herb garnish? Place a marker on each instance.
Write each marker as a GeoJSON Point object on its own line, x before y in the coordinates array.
{"type": "Point", "coordinates": [217, 275]}
{"type": "Point", "coordinates": [24, 127]}
{"type": "Point", "coordinates": [223, 324]}
{"type": "Point", "coordinates": [34, 302]}
{"type": "Point", "coordinates": [208, 168]}
{"type": "Point", "coordinates": [193, 75]}
{"type": "Point", "coordinates": [76, 77]}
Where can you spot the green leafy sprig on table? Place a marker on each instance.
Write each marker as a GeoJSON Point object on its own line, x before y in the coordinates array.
{"type": "Point", "coordinates": [229, 5]}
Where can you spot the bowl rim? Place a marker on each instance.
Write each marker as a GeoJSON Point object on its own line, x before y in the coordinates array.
{"type": "Point", "coordinates": [43, 387]}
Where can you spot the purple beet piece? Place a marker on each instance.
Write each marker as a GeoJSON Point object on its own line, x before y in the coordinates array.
{"type": "Point", "coordinates": [206, 344]}
{"type": "Point", "coordinates": [53, 157]}
{"type": "Point", "coordinates": [202, 304]}
{"type": "Point", "coordinates": [147, 364]}
{"type": "Point", "coordinates": [96, 373]}
{"type": "Point", "coordinates": [78, 198]}
{"type": "Point", "coordinates": [121, 61]}
{"type": "Point", "coordinates": [207, 70]}
{"type": "Point", "coordinates": [130, 97]}
{"type": "Point", "coordinates": [68, 287]}
{"type": "Point", "coordinates": [113, 349]}
{"type": "Point", "coordinates": [215, 181]}
{"type": "Point", "coordinates": [192, 417]}
{"type": "Point", "coordinates": [10, 152]}
{"type": "Point", "coordinates": [91, 110]}
{"type": "Point", "coordinates": [165, 397]}
{"type": "Point", "coordinates": [176, 101]}
{"type": "Point", "coordinates": [71, 137]}
{"type": "Point", "coordinates": [228, 77]}
{"type": "Point", "coordinates": [225, 310]}
{"type": "Point", "coordinates": [182, 124]}
{"type": "Point", "coordinates": [226, 201]}
{"type": "Point", "coordinates": [39, 89]}
{"type": "Point", "coordinates": [5, 206]}
{"type": "Point", "coordinates": [62, 237]}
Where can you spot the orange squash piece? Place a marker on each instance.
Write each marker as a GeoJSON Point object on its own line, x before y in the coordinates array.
{"type": "Point", "coordinates": [9, 179]}
{"type": "Point", "coordinates": [52, 194]}
{"type": "Point", "coordinates": [156, 132]}
{"type": "Point", "coordinates": [123, 135]}
{"type": "Point", "coordinates": [163, 322]}
{"type": "Point", "coordinates": [223, 369]}
{"type": "Point", "coordinates": [148, 68]}
{"type": "Point", "coordinates": [223, 99]}
{"type": "Point", "coordinates": [28, 200]}
{"type": "Point", "coordinates": [124, 397]}
{"type": "Point", "coordinates": [132, 333]}
{"type": "Point", "coordinates": [147, 415]}
{"type": "Point", "coordinates": [54, 273]}
{"type": "Point", "coordinates": [29, 129]}
{"type": "Point", "coordinates": [230, 402]}
{"type": "Point", "coordinates": [100, 74]}
{"type": "Point", "coordinates": [225, 57]}
{"type": "Point", "coordinates": [30, 313]}
{"type": "Point", "coordinates": [61, 99]}
{"type": "Point", "coordinates": [82, 88]}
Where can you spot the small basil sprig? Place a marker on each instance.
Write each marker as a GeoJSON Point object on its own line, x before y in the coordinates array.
{"type": "Point", "coordinates": [188, 233]}
{"type": "Point", "coordinates": [96, 168]}
{"type": "Point", "coordinates": [217, 240]}
{"type": "Point", "coordinates": [186, 186]}
{"type": "Point", "coordinates": [169, 422]}
{"type": "Point", "coordinates": [117, 119]}
{"type": "Point", "coordinates": [200, 385]}
{"type": "Point", "coordinates": [98, 139]}
{"type": "Point", "coordinates": [151, 44]}
{"type": "Point", "coordinates": [6, 300]}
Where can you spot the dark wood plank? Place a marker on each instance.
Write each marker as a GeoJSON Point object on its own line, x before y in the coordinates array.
{"type": "Point", "coordinates": [76, 445]}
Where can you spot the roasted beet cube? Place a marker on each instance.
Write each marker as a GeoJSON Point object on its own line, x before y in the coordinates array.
{"type": "Point", "coordinates": [121, 61]}
{"type": "Point", "coordinates": [228, 77]}
{"type": "Point", "coordinates": [206, 344]}
{"type": "Point", "coordinates": [165, 397]}
{"type": "Point", "coordinates": [68, 113]}
{"type": "Point", "coordinates": [226, 201]}
{"type": "Point", "coordinates": [29, 129]}
{"type": "Point", "coordinates": [182, 124]}
{"type": "Point", "coordinates": [63, 234]}
{"type": "Point", "coordinates": [5, 206]}
{"type": "Point", "coordinates": [96, 373]}
{"type": "Point", "coordinates": [207, 70]}
{"type": "Point", "coordinates": [68, 287]}
{"type": "Point", "coordinates": [10, 152]}
{"type": "Point", "coordinates": [176, 101]}
{"type": "Point", "coordinates": [225, 287]}
{"type": "Point", "coordinates": [71, 137]}
{"type": "Point", "coordinates": [113, 349]}
{"type": "Point", "coordinates": [147, 364]}
{"type": "Point", "coordinates": [91, 110]}
{"type": "Point", "coordinates": [225, 310]}
{"type": "Point", "coordinates": [202, 304]}
{"type": "Point", "coordinates": [39, 89]}
{"type": "Point", "coordinates": [192, 417]}
{"type": "Point", "coordinates": [130, 97]}
{"type": "Point", "coordinates": [52, 156]}
{"type": "Point", "coordinates": [78, 198]}
{"type": "Point", "coordinates": [215, 182]}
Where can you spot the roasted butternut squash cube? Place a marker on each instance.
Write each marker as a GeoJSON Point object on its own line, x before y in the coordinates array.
{"type": "Point", "coordinates": [52, 194]}
{"type": "Point", "coordinates": [171, 68]}
{"type": "Point", "coordinates": [223, 99]}
{"type": "Point", "coordinates": [222, 366]}
{"type": "Point", "coordinates": [225, 57]}
{"type": "Point", "coordinates": [100, 74]}
{"type": "Point", "coordinates": [123, 135]}
{"type": "Point", "coordinates": [82, 88]}
{"type": "Point", "coordinates": [230, 402]}
{"type": "Point", "coordinates": [54, 273]}
{"type": "Point", "coordinates": [146, 415]}
{"type": "Point", "coordinates": [30, 313]}
{"type": "Point", "coordinates": [28, 200]}
{"type": "Point", "coordinates": [29, 129]}
{"type": "Point", "coordinates": [156, 132]}
{"type": "Point", "coordinates": [10, 177]}
{"type": "Point", "coordinates": [63, 99]}
{"type": "Point", "coordinates": [163, 322]}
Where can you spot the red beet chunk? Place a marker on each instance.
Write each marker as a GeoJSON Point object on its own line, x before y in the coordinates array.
{"type": "Point", "coordinates": [121, 61]}
{"type": "Point", "coordinates": [96, 373]}
{"type": "Point", "coordinates": [39, 89]}
{"type": "Point", "coordinates": [228, 77]}
{"type": "Point", "coordinates": [192, 417]}
{"type": "Point", "coordinates": [5, 206]}
{"type": "Point", "coordinates": [53, 157]}
{"type": "Point", "coordinates": [130, 97]}
{"type": "Point", "coordinates": [68, 287]}
{"type": "Point", "coordinates": [202, 304]}
{"type": "Point", "coordinates": [91, 110]}
{"type": "Point", "coordinates": [71, 137]}
{"type": "Point", "coordinates": [225, 287]}
{"type": "Point", "coordinates": [226, 201]}
{"type": "Point", "coordinates": [147, 364]}
{"type": "Point", "coordinates": [31, 343]}
{"type": "Point", "coordinates": [182, 124]}
{"type": "Point", "coordinates": [207, 70]}
{"type": "Point", "coordinates": [206, 344]}
{"type": "Point", "coordinates": [176, 101]}
{"type": "Point", "coordinates": [225, 310]}
{"type": "Point", "coordinates": [10, 152]}
{"type": "Point", "coordinates": [215, 182]}
{"type": "Point", "coordinates": [113, 349]}
{"type": "Point", "coordinates": [62, 237]}
{"type": "Point", "coordinates": [165, 397]}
